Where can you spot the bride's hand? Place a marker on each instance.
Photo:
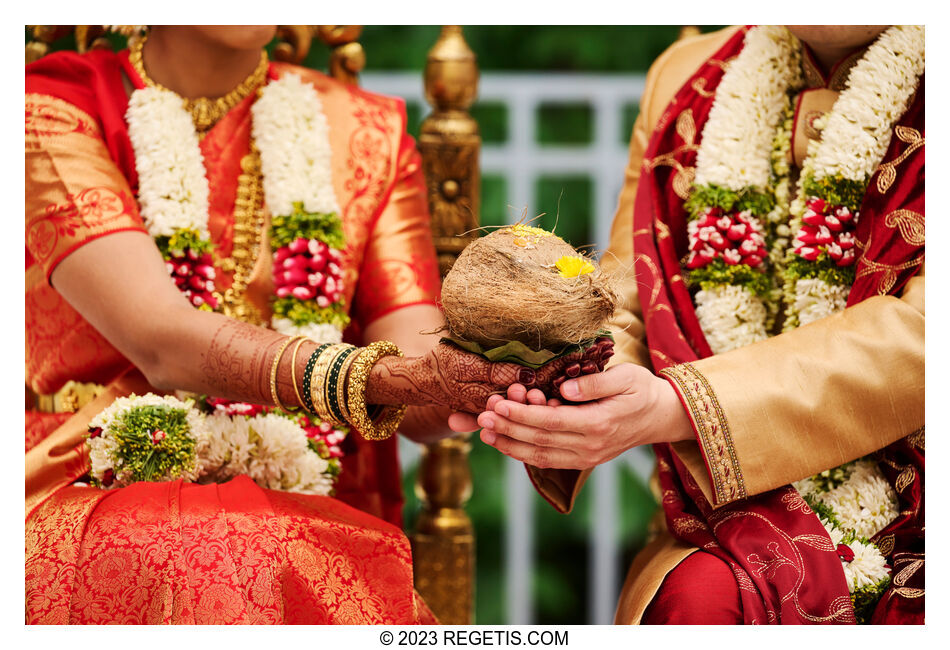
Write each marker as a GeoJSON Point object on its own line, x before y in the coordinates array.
{"type": "Point", "coordinates": [445, 376]}
{"type": "Point", "coordinates": [547, 381]}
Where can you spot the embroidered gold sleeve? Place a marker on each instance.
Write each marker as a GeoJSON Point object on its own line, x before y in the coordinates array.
{"type": "Point", "coordinates": [807, 400]}
{"type": "Point", "coordinates": [74, 191]}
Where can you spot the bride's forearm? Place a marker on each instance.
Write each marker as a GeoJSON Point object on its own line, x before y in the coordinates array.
{"type": "Point", "coordinates": [425, 424]}
{"type": "Point", "coordinates": [212, 354]}
{"type": "Point", "coordinates": [395, 380]}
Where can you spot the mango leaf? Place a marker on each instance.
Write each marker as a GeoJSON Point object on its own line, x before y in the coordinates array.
{"type": "Point", "coordinates": [521, 354]}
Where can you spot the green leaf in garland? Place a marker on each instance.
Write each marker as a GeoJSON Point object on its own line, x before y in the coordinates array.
{"type": "Point", "coordinates": [717, 273]}
{"type": "Point", "coordinates": [757, 202]}
{"type": "Point", "coordinates": [865, 600]}
{"type": "Point", "coordinates": [183, 239]}
{"type": "Point", "coordinates": [836, 190]}
{"type": "Point", "coordinates": [302, 312]}
{"type": "Point", "coordinates": [824, 268]}
{"type": "Point", "coordinates": [323, 226]}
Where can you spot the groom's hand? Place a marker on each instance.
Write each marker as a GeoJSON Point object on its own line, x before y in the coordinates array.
{"type": "Point", "coordinates": [625, 406]}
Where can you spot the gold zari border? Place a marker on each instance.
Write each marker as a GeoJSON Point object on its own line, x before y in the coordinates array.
{"type": "Point", "coordinates": [710, 424]}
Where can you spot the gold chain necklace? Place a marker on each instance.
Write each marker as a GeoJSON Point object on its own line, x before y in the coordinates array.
{"type": "Point", "coordinates": [248, 230]}
{"type": "Point", "coordinates": [249, 201]}
{"type": "Point", "coordinates": [204, 111]}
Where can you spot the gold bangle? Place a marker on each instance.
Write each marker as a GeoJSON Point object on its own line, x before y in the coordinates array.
{"type": "Point", "coordinates": [391, 416]}
{"type": "Point", "coordinates": [318, 392]}
{"type": "Point", "coordinates": [293, 370]}
{"type": "Point", "coordinates": [341, 388]}
{"type": "Point", "coordinates": [273, 369]}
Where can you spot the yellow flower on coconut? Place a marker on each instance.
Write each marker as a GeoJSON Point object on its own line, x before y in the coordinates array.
{"type": "Point", "coordinates": [571, 266]}
{"type": "Point", "coordinates": [526, 230]}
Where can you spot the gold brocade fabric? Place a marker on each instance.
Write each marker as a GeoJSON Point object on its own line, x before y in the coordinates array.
{"type": "Point", "coordinates": [181, 553]}
{"type": "Point", "coordinates": [75, 194]}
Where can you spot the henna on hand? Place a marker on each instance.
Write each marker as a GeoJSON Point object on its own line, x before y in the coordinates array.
{"type": "Point", "coordinates": [446, 376]}
{"type": "Point", "coordinates": [590, 360]}
{"type": "Point", "coordinates": [237, 365]}
{"type": "Point", "coordinates": [238, 360]}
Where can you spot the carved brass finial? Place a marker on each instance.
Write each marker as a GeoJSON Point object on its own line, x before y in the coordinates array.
{"type": "Point", "coordinates": [347, 58]}
{"type": "Point", "coordinates": [450, 142]}
{"type": "Point", "coordinates": [451, 76]}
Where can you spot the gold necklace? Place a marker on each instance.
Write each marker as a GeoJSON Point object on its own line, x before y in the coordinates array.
{"type": "Point", "coordinates": [205, 111]}
{"type": "Point", "coordinates": [248, 230]}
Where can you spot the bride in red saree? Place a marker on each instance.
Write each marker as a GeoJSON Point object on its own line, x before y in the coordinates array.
{"type": "Point", "coordinates": [103, 319]}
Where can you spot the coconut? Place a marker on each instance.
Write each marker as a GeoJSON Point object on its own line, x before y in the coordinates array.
{"type": "Point", "coordinates": [526, 284]}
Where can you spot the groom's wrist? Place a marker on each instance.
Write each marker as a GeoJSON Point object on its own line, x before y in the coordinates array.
{"type": "Point", "coordinates": [676, 424]}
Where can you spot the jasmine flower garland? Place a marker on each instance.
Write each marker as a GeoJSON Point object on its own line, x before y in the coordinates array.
{"type": "Point", "coordinates": [742, 177]}
{"type": "Point", "coordinates": [306, 234]}
{"type": "Point", "coordinates": [855, 502]}
{"type": "Point", "coordinates": [835, 174]}
{"type": "Point", "coordinates": [291, 133]}
{"type": "Point", "coordinates": [735, 189]}
{"type": "Point", "coordinates": [154, 438]}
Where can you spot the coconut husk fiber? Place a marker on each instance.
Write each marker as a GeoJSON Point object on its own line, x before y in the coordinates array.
{"type": "Point", "coordinates": [506, 286]}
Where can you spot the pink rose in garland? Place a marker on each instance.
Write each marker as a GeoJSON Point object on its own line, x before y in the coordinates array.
{"type": "Point", "coordinates": [194, 276]}
{"type": "Point", "coordinates": [827, 229]}
{"type": "Point", "coordinates": [309, 270]}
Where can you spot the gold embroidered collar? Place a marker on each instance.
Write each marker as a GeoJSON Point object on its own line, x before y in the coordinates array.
{"type": "Point", "coordinates": [837, 78]}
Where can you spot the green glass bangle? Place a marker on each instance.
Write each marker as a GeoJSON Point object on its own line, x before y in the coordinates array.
{"type": "Point", "coordinates": [332, 386]}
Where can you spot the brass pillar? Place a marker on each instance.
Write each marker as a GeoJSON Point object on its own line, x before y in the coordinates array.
{"type": "Point", "coordinates": [444, 541]}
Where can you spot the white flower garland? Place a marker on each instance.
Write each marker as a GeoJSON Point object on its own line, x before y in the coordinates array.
{"type": "Point", "coordinates": [731, 316]}
{"type": "Point", "coordinates": [291, 132]}
{"type": "Point", "coordinates": [749, 126]}
{"type": "Point", "coordinates": [272, 449]}
{"type": "Point", "coordinates": [738, 152]}
{"type": "Point", "coordinates": [173, 187]}
{"type": "Point", "coordinates": [878, 92]}
{"type": "Point", "coordinates": [815, 299]}
{"type": "Point", "coordinates": [322, 332]}
{"type": "Point", "coordinates": [750, 98]}
{"type": "Point", "coordinates": [855, 135]}
{"type": "Point", "coordinates": [863, 503]}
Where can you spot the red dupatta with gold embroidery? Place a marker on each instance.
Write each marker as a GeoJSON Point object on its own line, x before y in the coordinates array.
{"type": "Point", "coordinates": [783, 560]}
